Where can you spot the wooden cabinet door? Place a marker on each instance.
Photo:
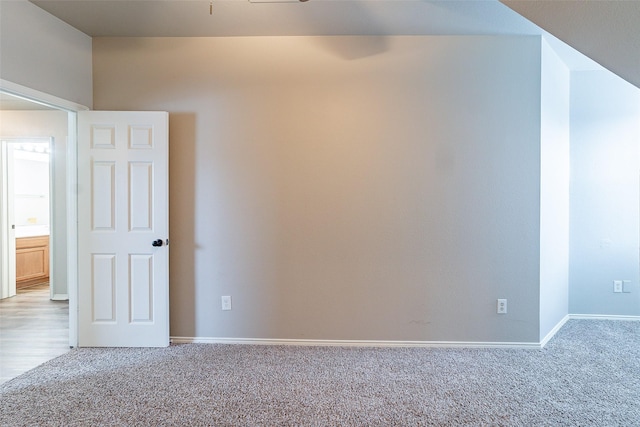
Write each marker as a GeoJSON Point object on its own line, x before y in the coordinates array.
{"type": "Point", "coordinates": [32, 260]}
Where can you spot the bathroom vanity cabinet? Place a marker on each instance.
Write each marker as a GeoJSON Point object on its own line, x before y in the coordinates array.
{"type": "Point", "coordinates": [32, 260]}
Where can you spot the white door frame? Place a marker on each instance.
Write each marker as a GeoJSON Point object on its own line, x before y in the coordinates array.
{"type": "Point", "coordinates": [72, 197]}
{"type": "Point", "coordinates": [7, 223]}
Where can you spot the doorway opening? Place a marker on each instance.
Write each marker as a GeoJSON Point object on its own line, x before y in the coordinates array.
{"type": "Point", "coordinates": [34, 140]}
{"type": "Point", "coordinates": [28, 203]}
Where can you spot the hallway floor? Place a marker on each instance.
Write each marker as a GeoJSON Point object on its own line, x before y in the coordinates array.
{"type": "Point", "coordinates": [33, 330]}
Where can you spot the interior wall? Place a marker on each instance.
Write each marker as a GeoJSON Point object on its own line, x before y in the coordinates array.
{"type": "Point", "coordinates": [605, 194]}
{"type": "Point", "coordinates": [382, 188]}
{"type": "Point", "coordinates": [554, 191]}
{"type": "Point", "coordinates": [41, 52]}
{"type": "Point", "coordinates": [46, 124]}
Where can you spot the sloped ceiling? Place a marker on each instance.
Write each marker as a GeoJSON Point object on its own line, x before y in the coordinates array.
{"type": "Point", "coordinates": [606, 31]}
{"type": "Point", "coordinates": [187, 18]}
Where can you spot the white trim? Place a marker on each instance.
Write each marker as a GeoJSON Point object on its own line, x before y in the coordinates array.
{"type": "Point", "coordinates": [53, 229]}
{"type": "Point", "coordinates": [72, 227]}
{"type": "Point", "coordinates": [354, 343]}
{"type": "Point", "coordinates": [379, 343]}
{"type": "Point", "coordinates": [554, 331]}
{"type": "Point", "coordinates": [603, 317]}
{"type": "Point", "coordinates": [60, 297]}
{"type": "Point", "coordinates": [7, 233]}
{"type": "Point", "coordinates": [38, 97]}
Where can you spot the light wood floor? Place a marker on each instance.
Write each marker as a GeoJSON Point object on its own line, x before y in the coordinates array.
{"type": "Point", "coordinates": [33, 330]}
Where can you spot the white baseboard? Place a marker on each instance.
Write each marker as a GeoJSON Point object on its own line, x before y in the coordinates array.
{"type": "Point", "coordinates": [60, 297]}
{"type": "Point", "coordinates": [353, 343]}
{"type": "Point", "coordinates": [381, 343]}
{"type": "Point", "coordinates": [554, 331]}
{"type": "Point", "coordinates": [603, 317]}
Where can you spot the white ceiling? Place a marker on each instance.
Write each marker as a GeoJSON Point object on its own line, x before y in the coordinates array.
{"type": "Point", "coordinates": [608, 31]}
{"type": "Point", "coordinates": [187, 18]}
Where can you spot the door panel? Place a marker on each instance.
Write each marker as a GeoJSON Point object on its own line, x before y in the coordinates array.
{"type": "Point", "coordinates": [122, 209]}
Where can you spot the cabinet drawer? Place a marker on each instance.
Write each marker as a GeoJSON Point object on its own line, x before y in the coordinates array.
{"type": "Point", "coordinates": [32, 242]}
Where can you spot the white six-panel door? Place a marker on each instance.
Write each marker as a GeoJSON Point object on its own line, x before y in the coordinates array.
{"type": "Point", "coordinates": [123, 229]}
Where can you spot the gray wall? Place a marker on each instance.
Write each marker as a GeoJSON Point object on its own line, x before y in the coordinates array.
{"type": "Point", "coordinates": [42, 52]}
{"type": "Point", "coordinates": [554, 191]}
{"type": "Point", "coordinates": [344, 188]}
{"type": "Point", "coordinates": [605, 139]}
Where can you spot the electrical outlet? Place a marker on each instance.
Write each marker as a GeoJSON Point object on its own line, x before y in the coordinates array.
{"type": "Point", "coordinates": [502, 306]}
{"type": "Point", "coordinates": [226, 302]}
{"type": "Point", "coordinates": [617, 286]}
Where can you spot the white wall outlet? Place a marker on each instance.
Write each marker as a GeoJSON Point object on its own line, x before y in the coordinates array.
{"type": "Point", "coordinates": [502, 306]}
{"type": "Point", "coordinates": [626, 286]}
{"type": "Point", "coordinates": [617, 286]}
{"type": "Point", "coordinates": [226, 302]}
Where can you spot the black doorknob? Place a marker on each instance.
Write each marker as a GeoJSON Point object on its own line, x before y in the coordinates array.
{"type": "Point", "coordinates": [157, 242]}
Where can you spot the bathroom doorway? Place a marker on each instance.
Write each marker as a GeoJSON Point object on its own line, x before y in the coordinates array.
{"type": "Point", "coordinates": [34, 139]}
{"type": "Point", "coordinates": [28, 181]}
{"type": "Point", "coordinates": [35, 321]}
